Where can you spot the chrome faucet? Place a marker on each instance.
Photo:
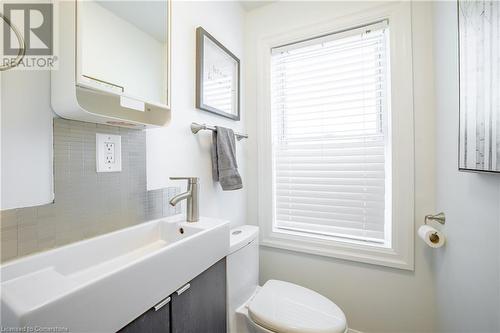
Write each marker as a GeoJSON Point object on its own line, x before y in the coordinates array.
{"type": "Point", "coordinates": [191, 196]}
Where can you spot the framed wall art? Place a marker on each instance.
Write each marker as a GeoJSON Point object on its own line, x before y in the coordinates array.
{"type": "Point", "coordinates": [479, 54]}
{"type": "Point", "coordinates": [217, 77]}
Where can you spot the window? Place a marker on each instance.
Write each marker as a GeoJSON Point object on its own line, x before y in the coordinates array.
{"type": "Point", "coordinates": [329, 100]}
{"type": "Point", "coordinates": [335, 138]}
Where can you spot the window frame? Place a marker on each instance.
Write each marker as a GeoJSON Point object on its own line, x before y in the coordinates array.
{"type": "Point", "coordinates": [380, 128]}
{"type": "Point", "coordinates": [400, 254]}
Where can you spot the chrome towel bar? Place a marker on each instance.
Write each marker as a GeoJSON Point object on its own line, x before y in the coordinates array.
{"type": "Point", "coordinates": [195, 128]}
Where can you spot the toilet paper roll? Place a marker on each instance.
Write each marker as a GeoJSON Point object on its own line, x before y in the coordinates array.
{"type": "Point", "coordinates": [431, 236]}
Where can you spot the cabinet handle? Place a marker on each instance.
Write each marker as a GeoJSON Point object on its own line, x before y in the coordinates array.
{"type": "Point", "coordinates": [162, 304]}
{"type": "Point", "coordinates": [183, 289]}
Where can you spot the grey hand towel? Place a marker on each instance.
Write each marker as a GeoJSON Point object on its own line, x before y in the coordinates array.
{"type": "Point", "coordinates": [224, 165]}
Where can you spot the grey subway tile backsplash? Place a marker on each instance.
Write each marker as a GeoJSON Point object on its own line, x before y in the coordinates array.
{"type": "Point", "coordinates": [87, 203]}
{"type": "Point", "coordinates": [8, 238]}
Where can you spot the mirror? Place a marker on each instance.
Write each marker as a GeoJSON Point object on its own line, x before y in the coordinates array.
{"type": "Point", "coordinates": [114, 62]}
{"type": "Point", "coordinates": [123, 48]}
{"type": "Point", "coordinates": [479, 48]}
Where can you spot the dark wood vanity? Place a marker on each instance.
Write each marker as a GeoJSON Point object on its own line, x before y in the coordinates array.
{"type": "Point", "coordinates": [199, 308]}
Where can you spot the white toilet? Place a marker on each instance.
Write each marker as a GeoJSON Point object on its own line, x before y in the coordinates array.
{"type": "Point", "coordinates": [277, 306]}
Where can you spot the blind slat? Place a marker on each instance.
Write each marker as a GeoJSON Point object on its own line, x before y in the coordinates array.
{"type": "Point", "coordinates": [354, 213]}
{"type": "Point", "coordinates": [336, 231]}
{"type": "Point", "coordinates": [363, 198]}
{"type": "Point", "coordinates": [326, 222]}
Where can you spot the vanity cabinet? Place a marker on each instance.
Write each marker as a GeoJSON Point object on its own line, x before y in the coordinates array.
{"type": "Point", "coordinates": [197, 307]}
{"type": "Point", "coordinates": [202, 307]}
{"type": "Point", "coordinates": [153, 321]}
{"type": "Point", "coordinates": [113, 62]}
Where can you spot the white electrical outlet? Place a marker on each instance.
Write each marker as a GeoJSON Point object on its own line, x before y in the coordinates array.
{"type": "Point", "coordinates": [108, 152]}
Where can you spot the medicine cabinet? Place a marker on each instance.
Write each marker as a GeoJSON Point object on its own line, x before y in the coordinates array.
{"type": "Point", "coordinates": [114, 62]}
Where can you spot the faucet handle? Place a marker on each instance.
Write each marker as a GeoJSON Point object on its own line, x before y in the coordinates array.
{"type": "Point", "coordinates": [191, 180]}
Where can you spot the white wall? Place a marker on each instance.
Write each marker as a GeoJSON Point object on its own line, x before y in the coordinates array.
{"type": "Point", "coordinates": [375, 299]}
{"type": "Point", "coordinates": [26, 139]}
{"type": "Point", "coordinates": [175, 151]}
{"type": "Point", "coordinates": [467, 269]}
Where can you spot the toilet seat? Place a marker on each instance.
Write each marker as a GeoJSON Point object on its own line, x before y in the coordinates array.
{"type": "Point", "coordinates": [285, 307]}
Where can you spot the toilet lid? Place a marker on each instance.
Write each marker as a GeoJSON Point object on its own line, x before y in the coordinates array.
{"type": "Point", "coordinates": [285, 307]}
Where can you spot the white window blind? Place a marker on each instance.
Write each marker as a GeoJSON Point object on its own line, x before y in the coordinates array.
{"type": "Point", "coordinates": [330, 135]}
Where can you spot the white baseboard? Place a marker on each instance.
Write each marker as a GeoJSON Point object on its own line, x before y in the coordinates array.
{"type": "Point", "coordinates": [350, 330]}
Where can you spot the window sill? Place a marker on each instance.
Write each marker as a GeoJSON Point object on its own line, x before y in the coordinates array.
{"type": "Point", "coordinates": [365, 252]}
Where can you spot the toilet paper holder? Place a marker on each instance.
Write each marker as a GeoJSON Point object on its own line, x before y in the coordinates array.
{"type": "Point", "coordinates": [439, 217]}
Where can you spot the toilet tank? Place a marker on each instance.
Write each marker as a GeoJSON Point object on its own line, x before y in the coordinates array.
{"type": "Point", "coordinates": [242, 267]}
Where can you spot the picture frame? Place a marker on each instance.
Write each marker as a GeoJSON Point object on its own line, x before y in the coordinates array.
{"type": "Point", "coordinates": [217, 77]}
{"type": "Point", "coordinates": [478, 70]}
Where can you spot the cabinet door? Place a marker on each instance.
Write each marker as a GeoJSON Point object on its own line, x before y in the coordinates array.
{"type": "Point", "coordinates": [152, 321]}
{"type": "Point", "coordinates": [202, 307]}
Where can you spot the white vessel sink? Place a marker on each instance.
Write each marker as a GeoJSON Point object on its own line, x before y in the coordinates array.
{"type": "Point", "coordinates": [103, 283]}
